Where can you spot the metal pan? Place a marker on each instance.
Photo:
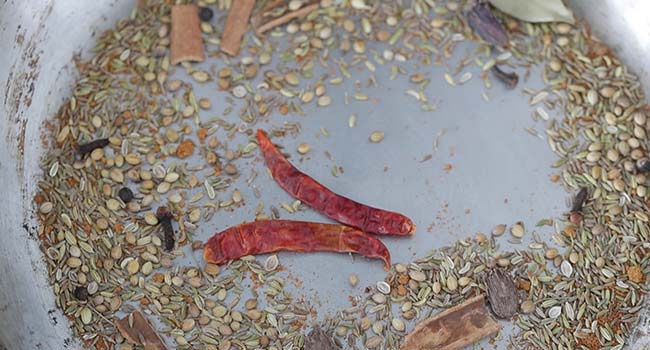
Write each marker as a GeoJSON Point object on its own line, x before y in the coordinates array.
{"type": "Point", "coordinates": [456, 171]}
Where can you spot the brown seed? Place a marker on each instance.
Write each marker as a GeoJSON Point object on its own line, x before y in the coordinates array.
{"type": "Point", "coordinates": [230, 169]}
{"type": "Point", "coordinates": [185, 149]}
{"type": "Point", "coordinates": [373, 342]}
{"type": "Point", "coordinates": [132, 267]}
{"type": "Point", "coordinates": [517, 230]}
{"type": "Point", "coordinates": [551, 253]}
{"type": "Point", "coordinates": [376, 136]}
{"type": "Point", "coordinates": [635, 274]}
{"type": "Point", "coordinates": [303, 148]}
{"type": "Point", "coordinates": [204, 103]}
{"type": "Point", "coordinates": [499, 230]}
{"type": "Point", "coordinates": [212, 269]}
{"type": "Point", "coordinates": [292, 78]}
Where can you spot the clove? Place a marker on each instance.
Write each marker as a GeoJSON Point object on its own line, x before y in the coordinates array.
{"type": "Point", "coordinates": [579, 200]}
{"type": "Point", "coordinates": [236, 26]}
{"type": "Point", "coordinates": [165, 220]}
{"type": "Point", "coordinates": [643, 165]}
{"type": "Point", "coordinates": [91, 146]}
{"type": "Point", "coordinates": [81, 293]}
{"type": "Point", "coordinates": [510, 79]}
{"type": "Point", "coordinates": [486, 25]}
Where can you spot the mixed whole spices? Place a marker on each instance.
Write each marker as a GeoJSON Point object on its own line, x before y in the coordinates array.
{"type": "Point", "coordinates": [120, 201]}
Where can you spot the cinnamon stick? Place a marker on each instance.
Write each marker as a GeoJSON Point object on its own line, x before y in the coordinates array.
{"type": "Point", "coordinates": [454, 328]}
{"type": "Point", "coordinates": [236, 25]}
{"type": "Point", "coordinates": [186, 41]}
{"type": "Point", "coordinates": [301, 12]}
{"type": "Point", "coordinates": [139, 332]}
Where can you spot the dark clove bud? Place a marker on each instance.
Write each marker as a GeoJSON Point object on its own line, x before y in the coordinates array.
{"type": "Point", "coordinates": [643, 165]}
{"type": "Point", "coordinates": [91, 146]}
{"type": "Point", "coordinates": [486, 25]}
{"type": "Point", "coordinates": [165, 220]}
{"type": "Point", "coordinates": [510, 79]}
{"type": "Point", "coordinates": [125, 194]}
{"type": "Point", "coordinates": [579, 200]}
{"type": "Point", "coordinates": [81, 293]}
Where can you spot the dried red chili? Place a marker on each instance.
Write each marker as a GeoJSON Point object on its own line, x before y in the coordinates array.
{"type": "Point", "coordinates": [322, 199]}
{"type": "Point", "coordinates": [269, 236]}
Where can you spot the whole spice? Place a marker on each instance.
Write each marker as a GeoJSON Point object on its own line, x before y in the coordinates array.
{"type": "Point", "coordinates": [165, 220]}
{"type": "Point", "coordinates": [186, 39]}
{"type": "Point", "coordinates": [205, 14]}
{"type": "Point", "coordinates": [510, 79]}
{"type": "Point", "coordinates": [579, 199]}
{"type": "Point", "coordinates": [635, 274]}
{"type": "Point", "coordinates": [87, 148]}
{"type": "Point", "coordinates": [486, 25]}
{"type": "Point", "coordinates": [376, 136]}
{"type": "Point", "coordinates": [125, 194]}
{"type": "Point", "coordinates": [502, 293]}
{"type": "Point", "coordinates": [268, 236]}
{"type": "Point", "coordinates": [137, 330]}
{"type": "Point", "coordinates": [453, 328]}
{"type": "Point", "coordinates": [643, 165]}
{"type": "Point", "coordinates": [317, 339]}
{"type": "Point", "coordinates": [236, 25]}
{"type": "Point", "coordinates": [81, 293]}
{"type": "Point", "coordinates": [185, 149]}
{"type": "Point", "coordinates": [337, 207]}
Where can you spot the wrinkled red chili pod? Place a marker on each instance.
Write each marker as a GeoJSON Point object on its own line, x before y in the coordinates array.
{"type": "Point", "coordinates": [322, 199]}
{"type": "Point", "coordinates": [268, 236]}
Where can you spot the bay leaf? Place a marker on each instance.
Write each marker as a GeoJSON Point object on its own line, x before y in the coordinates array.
{"type": "Point", "coordinates": [535, 11]}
